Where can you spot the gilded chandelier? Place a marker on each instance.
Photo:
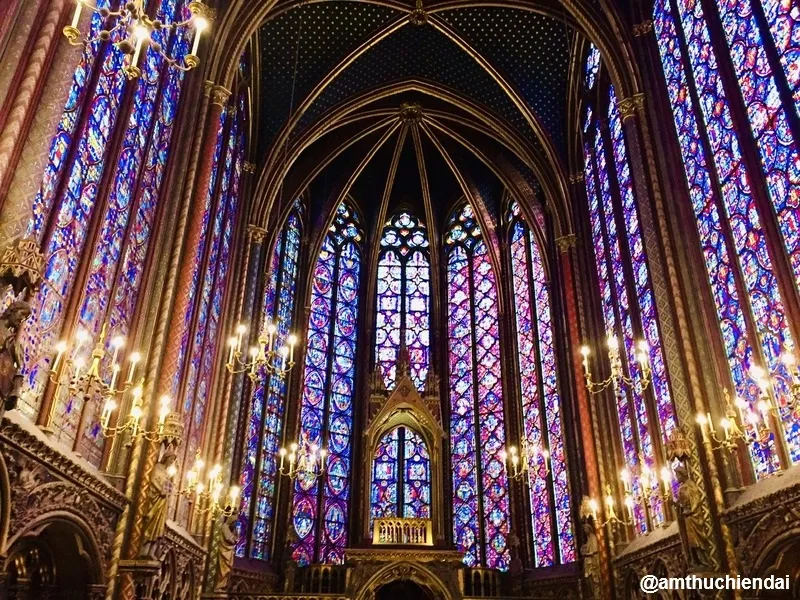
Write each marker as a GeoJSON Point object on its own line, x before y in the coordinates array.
{"type": "Point", "coordinates": [208, 496]}
{"type": "Point", "coordinates": [519, 464]}
{"type": "Point", "coordinates": [618, 379]}
{"type": "Point", "coordinates": [308, 462]}
{"type": "Point", "coordinates": [95, 378]}
{"type": "Point", "coordinates": [132, 21]}
{"type": "Point", "coordinates": [265, 355]}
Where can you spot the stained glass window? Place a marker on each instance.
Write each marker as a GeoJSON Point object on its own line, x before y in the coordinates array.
{"type": "Point", "coordinates": [541, 410]}
{"type": "Point", "coordinates": [403, 298]}
{"type": "Point", "coordinates": [205, 338]}
{"type": "Point", "coordinates": [320, 512]}
{"type": "Point", "coordinates": [401, 476]}
{"type": "Point", "coordinates": [477, 422]}
{"type": "Point", "coordinates": [783, 17]}
{"type": "Point", "coordinates": [258, 481]}
{"type": "Point", "coordinates": [628, 304]}
{"type": "Point", "coordinates": [592, 66]}
{"type": "Point", "coordinates": [734, 243]}
{"type": "Point", "coordinates": [71, 193]}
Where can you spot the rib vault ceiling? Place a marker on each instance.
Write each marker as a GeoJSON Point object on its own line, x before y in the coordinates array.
{"type": "Point", "coordinates": [393, 107]}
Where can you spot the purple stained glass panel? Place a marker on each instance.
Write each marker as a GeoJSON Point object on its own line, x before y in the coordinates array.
{"type": "Point", "coordinates": [320, 508]}
{"type": "Point", "coordinates": [766, 304]}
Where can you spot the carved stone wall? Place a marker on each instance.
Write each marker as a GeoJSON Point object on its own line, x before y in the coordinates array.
{"type": "Point", "coordinates": [764, 520]}
{"type": "Point", "coordinates": [44, 486]}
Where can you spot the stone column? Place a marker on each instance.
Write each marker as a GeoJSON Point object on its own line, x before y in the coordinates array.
{"type": "Point", "coordinates": [666, 287]}
{"type": "Point", "coordinates": [195, 231]}
{"type": "Point", "coordinates": [234, 396]}
{"type": "Point", "coordinates": [35, 57]}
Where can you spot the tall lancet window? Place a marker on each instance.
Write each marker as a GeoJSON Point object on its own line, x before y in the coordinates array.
{"type": "Point", "coordinates": [628, 304]}
{"type": "Point", "coordinates": [551, 517]}
{"type": "Point", "coordinates": [76, 190]}
{"type": "Point", "coordinates": [736, 195]}
{"type": "Point", "coordinates": [259, 471]}
{"type": "Point", "coordinates": [320, 508]}
{"type": "Point", "coordinates": [403, 297]}
{"type": "Point", "coordinates": [401, 476]}
{"type": "Point", "coordinates": [477, 422]}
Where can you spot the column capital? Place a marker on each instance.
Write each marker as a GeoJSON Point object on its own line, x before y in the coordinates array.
{"type": "Point", "coordinates": [643, 28]}
{"type": "Point", "coordinates": [256, 234]}
{"type": "Point", "coordinates": [576, 178]}
{"type": "Point", "coordinates": [248, 167]}
{"type": "Point", "coordinates": [626, 107]}
{"type": "Point", "coordinates": [219, 95]}
{"type": "Point", "coordinates": [566, 242]}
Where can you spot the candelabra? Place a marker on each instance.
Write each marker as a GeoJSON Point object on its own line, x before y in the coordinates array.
{"type": "Point", "coordinates": [519, 464]}
{"type": "Point", "coordinates": [648, 488]}
{"type": "Point", "coordinates": [207, 496]}
{"type": "Point", "coordinates": [618, 378]}
{"type": "Point", "coordinates": [612, 519]}
{"type": "Point", "coordinates": [307, 463]}
{"type": "Point", "coordinates": [70, 370]}
{"type": "Point", "coordinates": [790, 362]}
{"type": "Point", "coordinates": [131, 19]}
{"type": "Point", "coordinates": [739, 423]}
{"type": "Point", "coordinates": [265, 355]}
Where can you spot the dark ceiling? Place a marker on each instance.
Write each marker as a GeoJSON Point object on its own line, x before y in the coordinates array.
{"type": "Point", "coordinates": [512, 64]}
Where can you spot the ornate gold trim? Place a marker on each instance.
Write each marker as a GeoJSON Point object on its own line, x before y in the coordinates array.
{"type": "Point", "coordinates": [418, 16]}
{"type": "Point", "coordinates": [256, 234]}
{"type": "Point", "coordinates": [627, 107]}
{"type": "Point", "coordinates": [36, 445]}
{"type": "Point", "coordinates": [643, 28]}
{"type": "Point", "coordinates": [248, 167]}
{"type": "Point", "coordinates": [219, 94]}
{"type": "Point", "coordinates": [566, 242]}
{"type": "Point", "coordinates": [22, 265]}
{"type": "Point", "coordinates": [576, 178]}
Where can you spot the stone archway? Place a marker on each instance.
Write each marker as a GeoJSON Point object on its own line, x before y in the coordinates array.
{"type": "Point", "coordinates": [56, 558]}
{"type": "Point", "coordinates": [404, 589]}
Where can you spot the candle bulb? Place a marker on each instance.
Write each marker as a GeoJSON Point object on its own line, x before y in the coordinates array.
{"type": "Point", "coordinates": [270, 335]}
{"type": "Point", "coordinates": [626, 480]}
{"type": "Point", "coordinates": [232, 349]}
{"type": "Point", "coordinates": [763, 408]}
{"type": "Point", "coordinates": [282, 454]}
{"type": "Point", "coordinates": [233, 492]}
{"type": "Point", "coordinates": [164, 410]}
{"type": "Point", "coordinates": [82, 337]}
{"type": "Point", "coordinates": [292, 343]}
{"type": "Point", "coordinates": [142, 34]}
{"type": "Point", "coordinates": [61, 347]}
{"type": "Point", "coordinates": [666, 478]}
{"type": "Point", "coordinates": [323, 454]}
{"type": "Point", "coordinates": [117, 343]}
{"type": "Point", "coordinates": [200, 25]}
{"type": "Point", "coordinates": [240, 331]}
{"type": "Point", "coordinates": [284, 352]}
{"type": "Point", "coordinates": [710, 423]}
{"type": "Point", "coordinates": [133, 360]}
{"type": "Point", "coordinates": [79, 364]}
{"type": "Point", "coordinates": [594, 508]}
{"type": "Point", "coordinates": [253, 359]}
{"type": "Point", "coordinates": [108, 408]}
{"type": "Point", "coordinates": [114, 374]}
{"type": "Point", "coordinates": [629, 506]}
{"type": "Point", "coordinates": [726, 427]}
{"type": "Point", "coordinates": [585, 354]}
{"type": "Point", "coordinates": [76, 17]}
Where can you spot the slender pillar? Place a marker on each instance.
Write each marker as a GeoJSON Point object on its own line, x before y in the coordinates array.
{"type": "Point", "coordinates": [218, 98]}
{"type": "Point", "coordinates": [27, 89]}
{"type": "Point", "coordinates": [666, 289]}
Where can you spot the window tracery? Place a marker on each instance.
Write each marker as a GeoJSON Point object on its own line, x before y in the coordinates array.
{"type": "Point", "coordinates": [320, 506]}
{"type": "Point", "coordinates": [477, 422]}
